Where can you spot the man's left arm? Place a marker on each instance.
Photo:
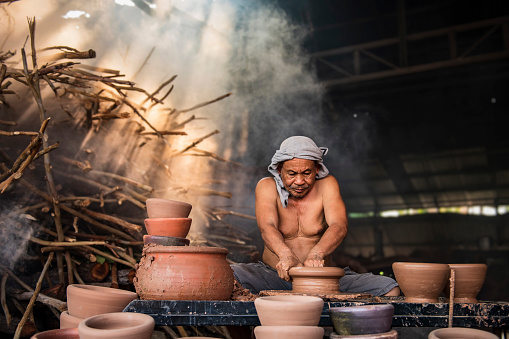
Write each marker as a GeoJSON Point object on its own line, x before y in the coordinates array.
{"type": "Point", "coordinates": [335, 216]}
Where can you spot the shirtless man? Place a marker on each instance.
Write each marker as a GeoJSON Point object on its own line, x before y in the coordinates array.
{"type": "Point", "coordinates": [302, 220]}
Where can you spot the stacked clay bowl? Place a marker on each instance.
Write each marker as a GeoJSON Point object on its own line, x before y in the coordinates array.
{"type": "Point", "coordinates": [355, 321]}
{"type": "Point", "coordinates": [421, 282]}
{"type": "Point", "coordinates": [289, 316]}
{"type": "Point", "coordinates": [84, 301]}
{"type": "Point", "coordinates": [168, 222]}
{"type": "Point", "coordinates": [316, 280]}
{"type": "Point", "coordinates": [468, 281]}
{"type": "Point", "coordinates": [458, 332]}
{"type": "Point", "coordinates": [118, 325]}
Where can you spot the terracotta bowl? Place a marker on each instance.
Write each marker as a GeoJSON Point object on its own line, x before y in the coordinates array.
{"type": "Point", "coordinates": [65, 333]}
{"type": "Point", "coordinates": [392, 334]}
{"type": "Point", "coordinates": [421, 282]}
{"type": "Point", "coordinates": [469, 279]}
{"type": "Point", "coordinates": [168, 227]}
{"type": "Point", "coordinates": [184, 273]}
{"type": "Point", "coordinates": [289, 310]}
{"type": "Point", "coordinates": [165, 208]}
{"type": "Point", "coordinates": [119, 325]}
{"type": "Point", "coordinates": [165, 241]}
{"type": "Point", "coordinates": [316, 280]}
{"type": "Point", "coordinates": [294, 332]}
{"type": "Point", "coordinates": [367, 319]}
{"type": "Point", "coordinates": [69, 321]}
{"type": "Point", "coordinates": [463, 333]}
{"type": "Point", "coordinates": [85, 301]}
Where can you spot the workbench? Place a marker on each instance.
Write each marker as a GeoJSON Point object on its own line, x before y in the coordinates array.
{"type": "Point", "coordinates": [243, 313]}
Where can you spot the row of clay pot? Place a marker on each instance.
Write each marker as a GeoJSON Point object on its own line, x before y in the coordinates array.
{"type": "Point", "coordinates": [425, 282]}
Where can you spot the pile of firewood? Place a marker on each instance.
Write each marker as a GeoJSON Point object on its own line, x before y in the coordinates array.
{"type": "Point", "coordinates": [79, 223]}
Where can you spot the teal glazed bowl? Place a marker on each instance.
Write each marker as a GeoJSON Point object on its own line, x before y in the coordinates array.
{"type": "Point", "coordinates": [366, 319]}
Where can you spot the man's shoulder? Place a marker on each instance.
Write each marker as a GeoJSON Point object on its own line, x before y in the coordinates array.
{"type": "Point", "coordinates": [266, 183]}
{"type": "Point", "coordinates": [328, 182]}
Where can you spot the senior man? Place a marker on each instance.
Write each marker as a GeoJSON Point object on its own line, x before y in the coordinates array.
{"type": "Point", "coordinates": [302, 220]}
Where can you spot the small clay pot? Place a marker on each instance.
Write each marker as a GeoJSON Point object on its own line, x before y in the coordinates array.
{"type": "Point", "coordinates": [69, 321]}
{"type": "Point", "coordinates": [421, 282]}
{"type": "Point", "coordinates": [469, 279]}
{"type": "Point", "coordinates": [294, 332]}
{"type": "Point", "coordinates": [460, 332]}
{"type": "Point", "coordinates": [124, 325]}
{"type": "Point", "coordinates": [366, 319]}
{"type": "Point", "coordinates": [316, 280]}
{"type": "Point", "coordinates": [165, 241]}
{"type": "Point", "coordinates": [85, 301]}
{"type": "Point", "coordinates": [392, 334]}
{"type": "Point", "coordinates": [289, 310]}
{"type": "Point", "coordinates": [165, 208]}
{"type": "Point", "coordinates": [184, 273]}
{"type": "Point", "coordinates": [168, 227]}
{"type": "Point", "coordinates": [65, 333]}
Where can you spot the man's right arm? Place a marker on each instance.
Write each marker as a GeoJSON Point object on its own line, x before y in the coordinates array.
{"type": "Point", "coordinates": [267, 219]}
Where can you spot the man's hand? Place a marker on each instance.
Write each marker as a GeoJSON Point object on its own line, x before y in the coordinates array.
{"type": "Point", "coordinates": [314, 260]}
{"type": "Point", "coordinates": [284, 265]}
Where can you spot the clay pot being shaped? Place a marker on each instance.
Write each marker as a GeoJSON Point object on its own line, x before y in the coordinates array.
{"type": "Point", "coordinates": [469, 279]}
{"type": "Point", "coordinates": [118, 325]}
{"type": "Point", "coordinates": [69, 321]}
{"type": "Point", "coordinates": [289, 310]}
{"type": "Point", "coordinates": [85, 301]}
{"type": "Point", "coordinates": [366, 319]}
{"type": "Point", "coordinates": [168, 227]}
{"type": "Point", "coordinates": [421, 282]}
{"type": "Point", "coordinates": [165, 208]}
{"type": "Point", "coordinates": [463, 333]}
{"type": "Point", "coordinates": [165, 241]}
{"type": "Point", "coordinates": [392, 334]}
{"type": "Point", "coordinates": [294, 332]}
{"type": "Point", "coordinates": [316, 280]}
{"type": "Point", "coordinates": [184, 273]}
{"type": "Point", "coordinates": [66, 333]}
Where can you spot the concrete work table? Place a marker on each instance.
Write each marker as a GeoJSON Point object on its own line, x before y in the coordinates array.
{"type": "Point", "coordinates": [243, 313]}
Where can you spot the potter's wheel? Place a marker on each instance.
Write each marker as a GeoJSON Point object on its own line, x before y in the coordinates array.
{"type": "Point", "coordinates": [341, 296]}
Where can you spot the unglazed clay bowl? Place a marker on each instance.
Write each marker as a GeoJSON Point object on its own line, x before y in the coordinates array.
{"type": "Point", "coordinates": [184, 273]}
{"type": "Point", "coordinates": [458, 332]}
{"type": "Point", "coordinates": [392, 334]}
{"type": "Point", "coordinates": [168, 227]}
{"type": "Point", "coordinates": [294, 332]}
{"type": "Point", "coordinates": [366, 319]}
{"type": "Point", "coordinates": [118, 325]}
{"type": "Point", "coordinates": [421, 282]}
{"type": "Point", "coordinates": [468, 281]}
{"type": "Point", "coordinates": [165, 208]}
{"type": "Point", "coordinates": [165, 241]}
{"type": "Point", "coordinates": [289, 310]}
{"type": "Point", "coordinates": [316, 280]}
{"type": "Point", "coordinates": [69, 321]}
{"type": "Point", "coordinates": [65, 333]}
{"type": "Point", "coordinates": [85, 301]}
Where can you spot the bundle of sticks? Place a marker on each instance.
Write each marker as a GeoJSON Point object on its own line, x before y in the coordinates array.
{"type": "Point", "coordinates": [82, 226]}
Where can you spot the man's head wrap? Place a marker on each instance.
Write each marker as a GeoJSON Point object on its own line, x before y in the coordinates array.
{"type": "Point", "coordinates": [296, 147]}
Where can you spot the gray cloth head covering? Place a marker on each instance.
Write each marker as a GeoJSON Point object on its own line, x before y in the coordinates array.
{"type": "Point", "coordinates": [296, 147]}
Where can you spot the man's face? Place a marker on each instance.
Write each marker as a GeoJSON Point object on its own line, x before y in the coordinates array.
{"type": "Point", "coordinates": [298, 176]}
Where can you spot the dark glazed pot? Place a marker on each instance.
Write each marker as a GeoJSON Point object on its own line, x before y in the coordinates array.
{"type": "Point", "coordinates": [316, 280]}
{"type": "Point", "coordinates": [366, 319]}
{"type": "Point", "coordinates": [392, 334]}
{"type": "Point", "coordinates": [165, 241]}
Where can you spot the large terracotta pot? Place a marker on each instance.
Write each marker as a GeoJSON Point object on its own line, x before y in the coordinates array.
{"type": "Point", "coordinates": [119, 325]}
{"type": "Point", "coordinates": [168, 227]}
{"type": "Point", "coordinates": [165, 241]}
{"type": "Point", "coordinates": [366, 319]}
{"type": "Point", "coordinates": [184, 273]}
{"type": "Point", "coordinates": [69, 321]}
{"type": "Point", "coordinates": [469, 279]}
{"type": "Point", "coordinates": [289, 310]}
{"type": "Point", "coordinates": [463, 333]}
{"type": "Point", "coordinates": [66, 333]}
{"type": "Point", "coordinates": [316, 280]}
{"type": "Point", "coordinates": [421, 282]}
{"type": "Point", "coordinates": [165, 208]}
{"type": "Point", "coordinates": [85, 301]}
{"type": "Point", "coordinates": [294, 332]}
{"type": "Point", "coordinates": [392, 334]}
